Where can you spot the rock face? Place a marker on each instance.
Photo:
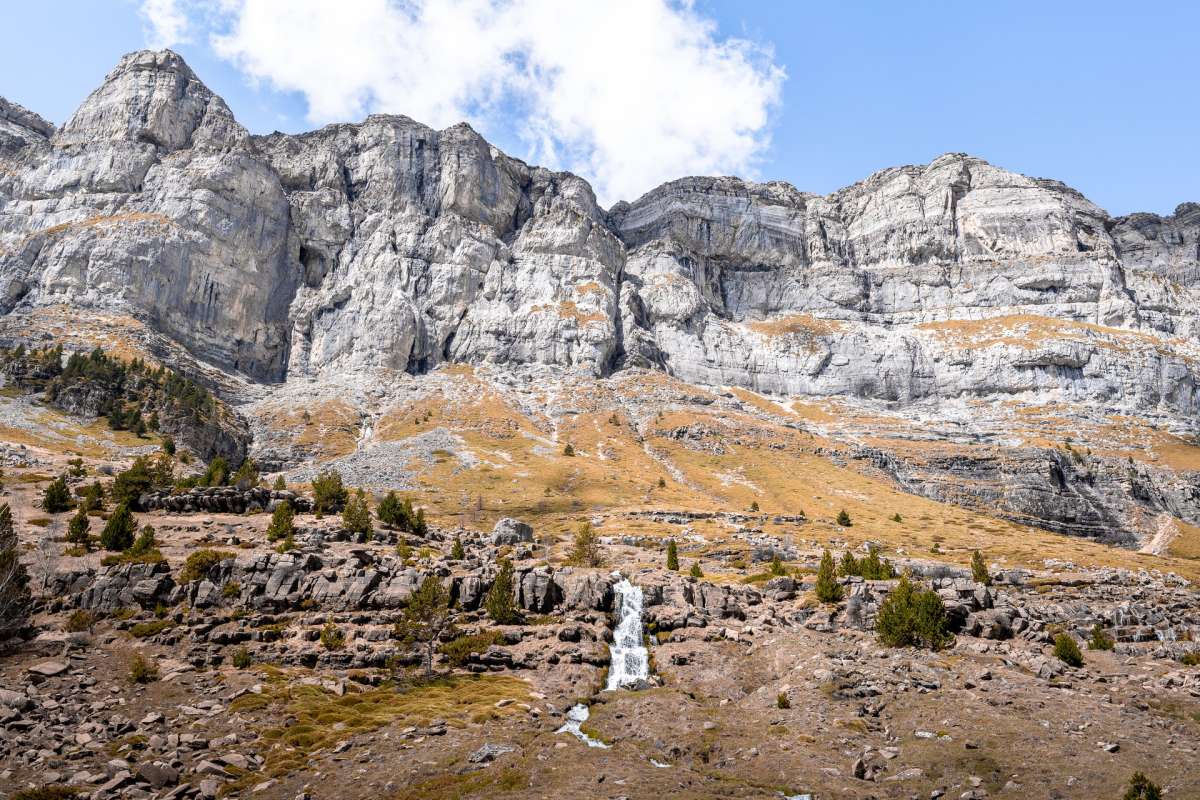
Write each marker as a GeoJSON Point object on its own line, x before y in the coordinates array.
{"type": "Point", "coordinates": [388, 244]}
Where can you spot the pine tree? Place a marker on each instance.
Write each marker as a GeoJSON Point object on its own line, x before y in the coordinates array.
{"type": "Point", "coordinates": [15, 599]}
{"type": "Point", "coordinates": [849, 565]}
{"type": "Point", "coordinates": [456, 552]}
{"type": "Point", "coordinates": [828, 589]}
{"type": "Point", "coordinates": [93, 498]}
{"type": "Point", "coordinates": [329, 493]}
{"type": "Point", "coordinates": [569, 450]}
{"type": "Point", "coordinates": [117, 535]}
{"type": "Point", "coordinates": [672, 556]}
{"type": "Point", "coordinates": [426, 617]}
{"type": "Point", "coordinates": [56, 498]}
{"type": "Point", "coordinates": [1142, 788]}
{"type": "Point", "coordinates": [912, 617]}
{"type": "Point", "coordinates": [280, 483]}
{"type": "Point", "coordinates": [246, 475]}
{"type": "Point", "coordinates": [77, 529]}
{"type": "Point", "coordinates": [282, 522]}
{"type": "Point", "coordinates": [754, 507]}
{"type": "Point", "coordinates": [695, 571]}
{"type": "Point", "coordinates": [979, 570]}
{"type": "Point", "coordinates": [391, 512]}
{"type": "Point", "coordinates": [499, 603]}
{"type": "Point", "coordinates": [586, 550]}
{"type": "Point", "coordinates": [843, 519]}
{"type": "Point", "coordinates": [777, 567]}
{"type": "Point", "coordinates": [356, 516]}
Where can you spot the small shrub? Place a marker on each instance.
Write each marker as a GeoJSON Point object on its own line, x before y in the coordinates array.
{"type": "Point", "coordinates": [828, 589]}
{"type": "Point", "coordinates": [231, 590]}
{"type": "Point", "coordinates": [241, 658]}
{"type": "Point", "coordinates": [332, 637]}
{"type": "Point", "coordinates": [1067, 651]}
{"type": "Point", "coordinates": [145, 629]}
{"type": "Point", "coordinates": [672, 556]}
{"type": "Point", "coordinates": [1191, 659]}
{"type": "Point", "coordinates": [843, 519]}
{"type": "Point", "coordinates": [51, 791]}
{"type": "Point", "coordinates": [79, 621]}
{"type": "Point", "coordinates": [287, 545]}
{"type": "Point", "coordinates": [662, 483]}
{"type": "Point", "coordinates": [456, 551]}
{"type": "Point", "coordinates": [569, 450]}
{"type": "Point", "coordinates": [897, 518]}
{"type": "Point", "coordinates": [199, 562]}
{"type": "Point", "coordinates": [246, 475]}
{"type": "Point", "coordinates": [142, 670]}
{"type": "Point", "coordinates": [781, 700]}
{"type": "Point", "coordinates": [1100, 640]}
{"type": "Point", "coordinates": [695, 571]}
{"type": "Point", "coordinates": [459, 651]}
{"type": "Point", "coordinates": [754, 507]}
{"type": "Point", "coordinates": [280, 483]}
{"type": "Point", "coordinates": [1142, 788]}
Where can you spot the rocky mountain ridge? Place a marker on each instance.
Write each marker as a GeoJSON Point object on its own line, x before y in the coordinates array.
{"type": "Point", "coordinates": [274, 255]}
{"type": "Point", "coordinates": [956, 291]}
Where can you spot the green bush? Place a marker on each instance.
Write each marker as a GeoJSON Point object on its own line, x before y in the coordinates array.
{"type": "Point", "coordinates": [569, 450]}
{"type": "Point", "coordinates": [912, 617]}
{"type": "Point", "coordinates": [117, 535]}
{"type": "Point", "coordinates": [848, 565]}
{"type": "Point", "coordinates": [1191, 659]}
{"type": "Point", "coordinates": [456, 551]}
{"type": "Point", "coordinates": [843, 519]}
{"type": "Point", "coordinates": [782, 701]}
{"type": "Point", "coordinates": [332, 637]}
{"type": "Point", "coordinates": [144, 629]}
{"type": "Point", "coordinates": [672, 556]}
{"type": "Point", "coordinates": [142, 670]}
{"type": "Point", "coordinates": [79, 621]}
{"type": "Point", "coordinates": [242, 658]}
{"type": "Point", "coordinates": [199, 562]}
{"type": "Point", "coordinates": [51, 791]}
{"type": "Point", "coordinates": [695, 571]}
{"type": "Point", "coordinates": [777, 567]}
{"type": "Point", "coordinates": [231, 590]}
{"type": "Point", "coordinates": [828, 589]}
{"type": "Point", "coordinates": [459, 651]}
{"type": "Point", "coordinates": [1100, 640]}
{"type": "Point", "coordinates": [1067, 651]}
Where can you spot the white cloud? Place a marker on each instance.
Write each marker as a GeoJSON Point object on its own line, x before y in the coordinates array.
{"type": "Point", "coordinates": [166, 23]}
{"type": "Point", "coordinates": [628, 93]}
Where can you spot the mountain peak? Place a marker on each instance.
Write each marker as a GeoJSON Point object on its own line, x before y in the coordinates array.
{"type": "Point", "coordinates": [153, 96]}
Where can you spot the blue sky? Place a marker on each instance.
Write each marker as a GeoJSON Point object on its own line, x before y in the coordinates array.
{"type": "Point", "coordinates": [1100, 95]}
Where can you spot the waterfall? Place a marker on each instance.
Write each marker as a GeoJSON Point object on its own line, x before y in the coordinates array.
{"type": "Point", "coordinates": [630, 662]}
{"type": "Point", "coordinates": [576, 716]}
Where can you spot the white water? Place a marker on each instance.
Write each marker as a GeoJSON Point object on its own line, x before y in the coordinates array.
{"type": "Point", "coordinates": [576, 716]}
{"type": "Point", "coordinates": [630, 660]}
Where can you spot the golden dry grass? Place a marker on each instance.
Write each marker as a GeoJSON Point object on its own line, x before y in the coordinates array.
{"type": "Point", "coordinates": [319, 719]}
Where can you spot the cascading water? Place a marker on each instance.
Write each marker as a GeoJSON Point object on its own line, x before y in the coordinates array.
{"type": "Point", "coordinates": [630, 662]}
